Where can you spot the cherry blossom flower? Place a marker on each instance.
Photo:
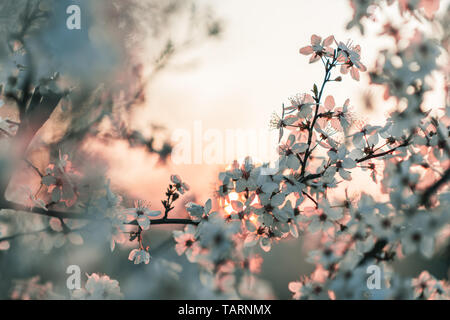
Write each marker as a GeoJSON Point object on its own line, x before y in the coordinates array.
{"type": "Point", "coordinates": [322, 218]}
{"type": "Point", "coordinates": [326, 111]}
{"type": "Point", "coordinates": [426, 286]}
{"type": "Point", "coordinates": [361, 9]}
{"type": "Point", "coordinates": [291, 150]}
{"type": "Point", "coordinates": [186, 242]}
{"type": "Point", "coordinates": [244, 211]}
{"type": "Point", "coordinates": [352, 285]}
{"type": "Point", "coordinates": [280, 123]}
{"type": "Point", "coordinates": [98, 287]}
{"type": "Point", "coordinates": [216, 236]}
{"type": "Point", "coordinates": [342, 116]}
{"type": "Point", "coordinates": [384, 227]}
{"type": "Point", "coordinates": [350, 57]}
{"type": "Point", "coordinates": [342, 161]}
{"type": "Point", "coordinates": [419, 235]}
{"type": "Point", "coordinates": [59, 183]}
{"type": "Point", "coordinates": [139, 256]}
{"type": "Point", "coordinates": [246, 176]}
{"type": "Point", "coordinates": [310, 288]}
{"type": "Point", "coordinates": [325, 257]}
{"type": "Point", "coordinates": [32, 289]}
{"type": "Point", "coordinates": [179, 184]}
{"type": "Point", "coordinates": [302, 103]}
{"type": "Point", "coordinates": [269, 208]}
{"type": "Point", "coordinates": [141, 213]}
{"type": "Point", "coordinates": [226, 185]}
{"type": "Point", "coordinates": [197, 211]}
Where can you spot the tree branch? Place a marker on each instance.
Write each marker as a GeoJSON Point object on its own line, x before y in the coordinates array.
{"type": "Point", "coordinates": [425, 197]}
{"type": "Point", "coordinates": [381, 154]}
{"type": "Point", "coordinates": [5, 204]}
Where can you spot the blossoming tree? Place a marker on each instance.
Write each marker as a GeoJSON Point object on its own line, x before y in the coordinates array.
{"type": "Point", "coordinates": [322, 146]}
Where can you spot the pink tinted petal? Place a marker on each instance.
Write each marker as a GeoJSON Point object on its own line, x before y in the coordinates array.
{"type": "Point", "coordinates": [354, 73]}
{"type": "Point", "coordinates": [295, 286]}
{"type": "Point", "coordinates": [309, 211]}
{"type": "Point", "coordinates": [309, 98]}
{"type": "Point", "coordinates": [322, 122]}
{"type": "Point", "coordinates": [328, 41]}
{"type": "Point", "coordinates": [55, 224]}
{"type": "Point", "coordinates": [430, 7]}
{"type": "Point", "coordinates": [265, 244]}
{"type": "Point", "coordinates": [306, 50]}
{"type": "Point", "coordinates": [335, 123]}
{"type": "Point", "coordinates": [144, 222]}
{"type": "Point", "coordinates": [314, 58]}
{"type": "Point", "coordinates": [315, 39]}
{"type": "Point", "coordinates": [132, 254]}
{"type": "Point", "coordinates": [329, 52]}
{"type": "Point", "coordinates": [344, 69]}
{"type": "Point", "coordinates": [237, 206]}
{"type": "Point", "coordinates": [180, 248]}
{"type": "Point", "coordinates": [329, 102]}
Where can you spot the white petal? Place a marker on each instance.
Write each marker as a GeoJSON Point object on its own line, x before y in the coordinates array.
{"type": "Point", "coordinates": [144, 222]}
{"type": "Point", "coordinates": [153, 213]}
{"type": "Point", "coordinates": [348, 163]}
{"type": "Point", "coordinates": [277, 200]}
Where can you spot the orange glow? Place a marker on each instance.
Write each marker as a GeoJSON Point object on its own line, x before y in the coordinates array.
{"type": "Point", "coordinates": [225, 203]}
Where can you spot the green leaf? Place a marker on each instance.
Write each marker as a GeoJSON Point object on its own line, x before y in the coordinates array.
{"type": "Point", "coordinates": [316, 92]}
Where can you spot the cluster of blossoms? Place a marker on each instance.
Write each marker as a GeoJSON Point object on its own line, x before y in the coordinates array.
{"type": "Point", "coordinates": [59, 180]}
{"type": "Point", "coordinates": [412, 148]}
{"type": "Point", "coordinates": [366, 8]}
{"type": "Point", "coordinates": [32, 289]}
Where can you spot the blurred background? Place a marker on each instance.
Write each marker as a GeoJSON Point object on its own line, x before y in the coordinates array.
{"type": "Point", "coordinates": [228, 64]}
